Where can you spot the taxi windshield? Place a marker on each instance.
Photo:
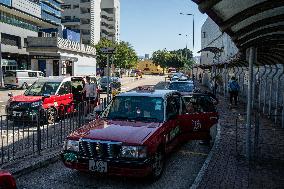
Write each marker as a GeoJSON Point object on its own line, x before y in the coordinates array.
{"type": "Point", "coordinates": [137, 108]}
{"type": "Point", "coordinates": [181, 86]}
{"type": "Point", "coordinates": [42, 88]}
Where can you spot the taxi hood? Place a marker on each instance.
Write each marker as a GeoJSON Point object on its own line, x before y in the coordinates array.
{"type": "Point", "coordinates": [121, 131]}
{"type": "Point", "coordinates": [23, 98]}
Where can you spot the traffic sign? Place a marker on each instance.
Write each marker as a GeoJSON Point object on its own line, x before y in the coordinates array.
{"type": "Point", "coordinates": [108, 50]}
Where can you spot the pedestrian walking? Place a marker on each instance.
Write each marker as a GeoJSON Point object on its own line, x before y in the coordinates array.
{"type": "Point", "coordinates": [90, 90]}
{"type": "Point", "coordinates": [234, 89]}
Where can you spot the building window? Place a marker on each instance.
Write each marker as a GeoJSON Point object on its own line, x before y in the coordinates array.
{"type": "Point", "coordinates": [146, 65]}
{"type": "Point", "coordinates": [12, 40]}
{"type": "Point", "coordinates": [66, 7]}
{"type": "Point", "coordinates": [204, 34]}
{"type": "Point", "coordinates": [75, 6]}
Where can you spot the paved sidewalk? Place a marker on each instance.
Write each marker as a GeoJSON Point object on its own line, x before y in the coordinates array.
{"type": "Point", "coordinates": [227, 168]}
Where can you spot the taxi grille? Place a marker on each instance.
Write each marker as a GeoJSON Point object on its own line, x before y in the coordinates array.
{"type": "Point", "coordinates": [20, 105]}
{"type": "Point", "coordinates": [99, 149]}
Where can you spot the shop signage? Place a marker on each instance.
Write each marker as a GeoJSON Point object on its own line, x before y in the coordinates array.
{"type": "Point", "coordinates": [44, 57]}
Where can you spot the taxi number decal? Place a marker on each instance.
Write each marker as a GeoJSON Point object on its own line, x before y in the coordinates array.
{"type": "Point", "coordinates": [196, 125]}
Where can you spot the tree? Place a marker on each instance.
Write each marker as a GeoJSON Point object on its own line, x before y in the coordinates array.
{"type": "Point", "coordinates": [161, 57]}
{"type": "Point", "coordinates": [124, 57]}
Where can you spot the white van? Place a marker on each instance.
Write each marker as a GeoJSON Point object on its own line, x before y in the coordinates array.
{"type": "Point", "coordinates": [21, 78]}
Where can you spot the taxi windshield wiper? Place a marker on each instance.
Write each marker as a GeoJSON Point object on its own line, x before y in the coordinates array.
{"type": "Point", "coordinates": [118, 117]}
{"type": "Point", "coordinates": [145, 119]}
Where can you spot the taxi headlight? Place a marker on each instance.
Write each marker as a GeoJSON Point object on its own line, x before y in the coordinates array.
{"type": "Point", "coordinates": [134, 152]}
{"type": "Point", "coordinates": [36, 104]}
{"type": "Point", "coordinates": [71, 145]}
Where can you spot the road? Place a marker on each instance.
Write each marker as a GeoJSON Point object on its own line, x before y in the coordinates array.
{"type": "Point", "coordinates": [127, 84]}
{"type": "Point", "coordinates": [180, 171]}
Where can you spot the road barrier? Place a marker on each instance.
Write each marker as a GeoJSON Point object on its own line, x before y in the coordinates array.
{"type": "Point", "coordinates": [23, 137]}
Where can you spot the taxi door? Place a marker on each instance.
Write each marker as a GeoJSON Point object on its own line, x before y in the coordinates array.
{"type": "Point", "coordinates": [172, 126]}
{"type": "Point", "coordinates": [197, 119]}
{"type": "Point", "coordinates": [64, 97]}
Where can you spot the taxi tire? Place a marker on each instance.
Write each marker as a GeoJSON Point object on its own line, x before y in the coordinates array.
{"type": "Point", "coordinates": [158, 165]}
{"type": "Point", "coordinates": [51, 115]}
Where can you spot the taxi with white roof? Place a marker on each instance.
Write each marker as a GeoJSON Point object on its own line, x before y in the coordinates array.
{"type": "Point", "coordinates": [134, 133]}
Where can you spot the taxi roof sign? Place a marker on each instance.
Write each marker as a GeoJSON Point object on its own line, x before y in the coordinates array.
{"type": "Point", "coordinates": [145, 88]}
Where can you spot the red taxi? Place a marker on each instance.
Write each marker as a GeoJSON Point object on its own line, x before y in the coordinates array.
{"type": "Point", "coordinates": [7, 181]}
{"type": "Point", "coordinates": [49, 96]}
{"type": "Point", "coordinates": [136, 130]}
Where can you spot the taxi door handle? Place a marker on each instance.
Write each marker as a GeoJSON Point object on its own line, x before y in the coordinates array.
{"type": "Point", "coordinates": [214, 117]}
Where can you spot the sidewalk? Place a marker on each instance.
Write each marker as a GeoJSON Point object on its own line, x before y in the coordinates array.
{"type": "Point", "coordinates": [226, 166]}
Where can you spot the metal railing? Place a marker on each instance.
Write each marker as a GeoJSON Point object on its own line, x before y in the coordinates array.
{"type": "Point", "coordinates": [24, 137]}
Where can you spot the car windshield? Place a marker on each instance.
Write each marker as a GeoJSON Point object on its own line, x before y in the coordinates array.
{"type": "Point", "coordinates": [42, 88]}
{"type": "Point", "coordinates": [181, 86]}
{"type": "Point", "coordinates": [136, 108]}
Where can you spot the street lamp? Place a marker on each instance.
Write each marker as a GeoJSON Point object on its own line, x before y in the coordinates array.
{"type": "Point", "coordinates": [186, 36]}
{"type": "Point", "coordinates": [189, 14]}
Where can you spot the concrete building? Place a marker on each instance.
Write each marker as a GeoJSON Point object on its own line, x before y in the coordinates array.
{"type": "Point", "coordinates": [93, 18]}
{"type": "Point", "coordinates": [110, 20]}
{"type": "Point", "coordinates": [85, 16]}
{"type": "Point", "coordinates": [18, 20]}
{"type": "Point", "coordinates": [211, 36]}
{"type": "Point", "coordinates": [56, 56]}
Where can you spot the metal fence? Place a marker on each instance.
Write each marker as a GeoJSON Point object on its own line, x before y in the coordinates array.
{"type": "Point", "coordinates": [24, 137]}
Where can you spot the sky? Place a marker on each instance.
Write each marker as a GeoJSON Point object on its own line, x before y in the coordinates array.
{"type": "Point", "coordinates": [150, 25]}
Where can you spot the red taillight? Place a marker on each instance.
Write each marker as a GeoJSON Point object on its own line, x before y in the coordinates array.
{"type": "Point", "coordinates": [17, 80]}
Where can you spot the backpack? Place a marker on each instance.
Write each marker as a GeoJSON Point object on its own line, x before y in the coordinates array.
{"type": "Point", "coordinates": [234, 86]}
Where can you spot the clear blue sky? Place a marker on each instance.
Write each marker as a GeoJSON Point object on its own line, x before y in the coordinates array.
{"type": "Point", "coordinates": [151, 25]}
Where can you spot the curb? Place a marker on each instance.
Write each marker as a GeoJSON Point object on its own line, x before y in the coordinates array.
{"type": "Point", "coordinates": [32, 164]}
{"type": "Point", "coordinates": [204, 168]}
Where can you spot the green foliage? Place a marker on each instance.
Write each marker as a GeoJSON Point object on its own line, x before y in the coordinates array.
{"type": "Point", "coordinates": [124, 57]}
{"type": "Point", "coordinates": [181, 58]}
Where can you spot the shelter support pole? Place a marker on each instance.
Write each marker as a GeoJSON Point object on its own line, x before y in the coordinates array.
{"type": "Point", "coordinates": [260, 88]}
{"type": "Point", "coordinates": [278, 94]}
{"type": "Point", "coordinates": [252, 59]}
{"type": "Point", "coordinates": [264, 91]}
{"type": "Point", "coordinates": [271, 95]}
{"type": "Point", "coordinates": [282, 111]}
{"type": "Point", "coordinates": [254, 86]}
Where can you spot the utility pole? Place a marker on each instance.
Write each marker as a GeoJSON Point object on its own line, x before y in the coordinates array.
{"type": "Point", "coordinates": [108, 51]}
{"type": "Point", "coordinates": [1, 71]}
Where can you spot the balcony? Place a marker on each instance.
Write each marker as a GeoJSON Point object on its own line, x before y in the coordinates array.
{"type": "Point", "coordinates": [56, 43]}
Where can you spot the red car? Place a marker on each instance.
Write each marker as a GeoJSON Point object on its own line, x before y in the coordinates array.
{"type": "Point", "coordinates": [7, 181]}
{"type": "Point", "coordinates": [136, 130]}
{"type": "Point", "coordinates": [49, 96]}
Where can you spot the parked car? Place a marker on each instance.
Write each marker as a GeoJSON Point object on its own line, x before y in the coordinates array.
{"type": "Point", "coordinates": [7, 181]}
{"type": "Point", "coordinates": [114, 82]}
{"type": "Point", "coordinates": [132, 136]}
{"type": "Point", "coordinates": [21, 78]}
{"type": "Point", "coordinates": [181, 86]}
{"type": "Point", "coordinates": [49, 98]}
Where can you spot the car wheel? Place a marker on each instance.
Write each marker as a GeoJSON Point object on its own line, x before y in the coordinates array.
{"type": "Point", "coordinates": [158, 165]}
{"type": "Point", "coordinates": [25, 86]}
{"type": "Point", "coordinates": [51, 115]}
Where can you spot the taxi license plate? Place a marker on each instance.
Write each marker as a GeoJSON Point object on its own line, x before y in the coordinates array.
{"type": "Point", "coordinates": [17, 114]}
{"type": "Point", "coordinates": [98, 166]}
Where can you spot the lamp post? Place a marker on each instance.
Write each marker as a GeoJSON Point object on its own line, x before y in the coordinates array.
{"type": "Point", "coordinates": [189, 14]}
{"type": "Point", "coordinates": [1, 71]}
{"type": "Point", "coordinates": [186, 36]}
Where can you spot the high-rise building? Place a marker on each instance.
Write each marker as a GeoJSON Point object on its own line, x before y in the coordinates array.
{"type": "Point", "coordinates": [18, 20]}
{"type": "Point", "coordinates": [110, 19]}
{"type": "Point", "coordinates": [51, 10]}
{"type": "Point", "coordinates": [93, 18]}
{"type": "Point", "coordinates": [83, 15]}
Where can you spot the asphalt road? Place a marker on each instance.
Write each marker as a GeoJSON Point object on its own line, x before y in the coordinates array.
{"type": "Point", "coordinates": [181, 168]}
